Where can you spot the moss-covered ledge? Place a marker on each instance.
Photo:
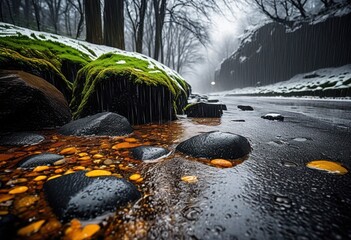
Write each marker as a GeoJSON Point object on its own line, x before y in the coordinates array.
{"type": "Point", "coordinates": [132, 86]}
{"type": "Point", "coordinates": [55, 62]}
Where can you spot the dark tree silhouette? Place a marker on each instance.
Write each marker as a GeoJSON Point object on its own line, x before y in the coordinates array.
{"type": "Point", "coordinates": [93, 21]}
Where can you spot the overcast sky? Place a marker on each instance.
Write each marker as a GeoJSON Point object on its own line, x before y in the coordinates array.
{"type": "Point", "coordinates": [224, 40]}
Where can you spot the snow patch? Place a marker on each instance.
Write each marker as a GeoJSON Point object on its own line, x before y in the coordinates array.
{"type": "Point", "coordinates": [121, 62]}
{"type": "Point", "coordinates": [242, 59]}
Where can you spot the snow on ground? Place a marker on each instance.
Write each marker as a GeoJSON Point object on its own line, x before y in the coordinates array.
{"type": "Point", "coordinates": [322, 79]}
{"type": "Point", "coordinates": [92, 50]}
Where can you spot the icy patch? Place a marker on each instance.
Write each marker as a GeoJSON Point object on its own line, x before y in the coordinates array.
{"type": "Point", "coordinates": [138, 70]}
{"type": "Point", "coordinates": [156, 71]}
{"type": "Point", "coordinates": [121, 62]}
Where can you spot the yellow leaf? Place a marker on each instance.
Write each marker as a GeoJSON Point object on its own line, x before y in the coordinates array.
{"type": "Point", "coordinates": [328, 166]}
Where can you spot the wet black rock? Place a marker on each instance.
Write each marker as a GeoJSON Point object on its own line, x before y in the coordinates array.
{"type": "Point", "coordinates": [28, 102]}
{"type": "Point", "coordinates": [101, 124]}
{"type": "Point", "coordinates": [273, 116]}
{"type": "Point", "coordinates": [205, 110]}
{"type": "Point", "coordinates": [216, 145]}
{"type": "Point", "coordinates": [39, 160]}
{"type": "Point", "coordinates": [245, 108]}
{"type": "Point", "coordinates": [77, 196]}
{"type": "Point", "coordinates": [20, 139]}
{"type": "Point", "coordinates": [149, 152]}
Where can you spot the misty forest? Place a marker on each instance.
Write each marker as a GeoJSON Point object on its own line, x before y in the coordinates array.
{"type": "Point", "coordinates": [175, 119]}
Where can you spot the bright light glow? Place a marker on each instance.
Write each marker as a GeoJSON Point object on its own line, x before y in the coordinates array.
{"type": "Point", "coordinates": [213, 83]}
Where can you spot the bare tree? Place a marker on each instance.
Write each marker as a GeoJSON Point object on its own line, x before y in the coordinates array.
{"type": "Point", "coordinates": [79, 7]}
{"type": "Point", "coordinates": [160, 14]}
{"type": "Point", "coordinates": [136, 10]}
{"type": "Point", "coordinates": [55, 12]}
{"type": "Point", "coordinates": [93, 21]}
{"type": "Point", "coordinates": [114, 23]}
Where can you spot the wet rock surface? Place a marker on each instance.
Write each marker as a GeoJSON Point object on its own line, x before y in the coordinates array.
{"type": "Point", "coordinates": [149, 152]}
{"type": "Point", "coordinates": [216, 145]}
{"type": "Point", "coordinates": [205, 110]}
{"type": "Point", "coordinates": [39, 160]}
{"type": "Point", "coordinates": [77, 196]}
{"type": "Point", "coordinates": [245, 108]}
{"type": "Point", "coordinates": [273, 116]}
{"type": "Point", "coordinates": [28, 102]}
{"type": "Point", "coordinates": [20, 139]}
{"type": "Point", "coordinates": [101, 124]}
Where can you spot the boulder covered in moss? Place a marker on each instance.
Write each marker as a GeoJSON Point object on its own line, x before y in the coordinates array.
{"type": "Point", "coordinates": [55, 62]}
{"type": "Point", "coordinates": [28, 102]}
{"type": "Point", "coordinates": [134, 86]}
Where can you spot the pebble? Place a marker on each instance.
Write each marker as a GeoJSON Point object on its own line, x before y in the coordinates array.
{"type": "Point", "coordinates": [130, 140]}
{"type": "Point", "coordinates": [55, 176]}
{"type": "Point", "coordinates": [26, 201]}
{"type": "Point", "coordinates": [83, 154]}
{"type": "Point", "coordinates": [189, 179]}
{"type": "Point", "coordinates": [84, 158]}
{"type": "Point", "coordinates": [31, 228]}
{"type": "Point", "coordinates": [135, 177]}
{"type": "Point", "coordinates": [98, 156]}
{"type": "Point", "coordinates": [40, 178]}
{"type": "Point", "coordinates": [6, 197]}
{"type": "Point", "coordinates": [108, 162]}
{"type": "Point", "coordinates": [16, 181]}
{"type": "Point", "coordinates": [40, 168]}
{"type": "Point", "coordinates": [221, 163]}
{"type": "Point", "coordinates": [124, 145]}
{"type": "Point", "coordinates": [69, 151]}
{"type": "Point", "coordinates": [60, 162]}
{"type": "Point", "coordinates": [79, 168]}
{"type": "Point", "coordinates": [98, 173]}
{"type": "Point", "coordinates": [18, 190]}
{"type": "Point", "coordinates": [328, 166]}
{"type": "Point", "coordinates": [74, 232]}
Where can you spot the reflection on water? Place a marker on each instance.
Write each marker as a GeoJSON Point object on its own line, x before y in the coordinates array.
{"type": "Point", "coordinates": [166, 198]}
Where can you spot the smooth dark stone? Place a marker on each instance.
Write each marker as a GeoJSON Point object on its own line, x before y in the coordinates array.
{"type": "Point", "coordinates": [39, 160]}
{"type": "Point", "coordinates": [77, 196]}
{"type": "Point", "coordinates": [28, 102]}
{"type": "Point", "coordinates": [205, 110]}
{"type": "Point", "coordinates": [148, 152]}
{"type": "Point", "coordinates": [245, 108]}
{"type": "Point", "coordinates": [273, 116]}
{"type": "Point", "coordinates": [101, 124]}
{"type": "Point", "coordinates": [20, 139]}
{"type": "Point", "coordinates": [216, 145]}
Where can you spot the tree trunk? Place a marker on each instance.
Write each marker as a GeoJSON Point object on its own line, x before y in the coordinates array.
{"type": "Point", "coordinates": [140, 32]}
{"type": "Point", "coordinates": [36, 13]}
{"type": "Point", "coordinates": [93, 21]}
{"type": "Point", "coordinates": [27, 11]}
{"type": "Point", "coordinates": [160, 13]}
{"type": "Point", "coordinates": [114, 23]}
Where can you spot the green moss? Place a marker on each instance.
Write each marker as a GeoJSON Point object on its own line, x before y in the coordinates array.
{"type": "Point", "coordinates": [119, 66]}
{"type": "Point", "coordinates": [42, 36]}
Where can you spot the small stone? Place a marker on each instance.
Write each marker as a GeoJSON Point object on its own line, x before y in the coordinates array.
{"type": "Point", "coordinates": [53, 177]}
{"type": "Point", "coordinates": [69, 171]}
{"type": "Point", "coordinates": [60, 162]}
{"type": "Point", "coordinates": [135, 177]}
{"type": "Point", "coordinates": [16, 181]}
{"type": "Point", "coordinates": [26, 201]}
{"type": "Point", "coordinates": [79, 168]}
{"type": "Point", "coordinates": [245, 108]}
{"type": "Point", "coordinates": [221, 163]}
{"type": "Point", "coordinates": [82, 154]}
{"type": "Point", "coordinates": [108, 162]}
{"type": "Point", "coordinates": [98, 173]}
{"type": "Point", "coordinates": [328, 166]}
{"type": "Point", "coordinates": [189, 179]}
{"type": "Point", "coordinates": [273, 116]}
{"type": "Point", "coordinates": [86, 158]}
{"type": "Point", "coordinates": [5, 157]}
{"type": "Point", "coordinates": [69, 151]}
{"type": "Point", "coordinates": [6, 197]}
{"type": "Point", "coordinates": [18, 190]}
{"type": "Point", "coordinates": [130, 140]}
{"type": "Point", "coordinates": [75, 232]}
{"type": "Point", "coordinates": [31, 228]}
{"type": "Point", "coordinates": [40, 178]}
{"type": "Point", "coordinates": [98, 156]}
{"type": "Point", "coordinates": [41, 168]}
{"type": "Point", "coordinates": [124, 145]}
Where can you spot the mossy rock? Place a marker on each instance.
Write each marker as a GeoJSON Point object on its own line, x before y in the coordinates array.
{"type": "Point", "coordinates": [132, 86]}
{"type": "Point", "coordinates": [55, 62]}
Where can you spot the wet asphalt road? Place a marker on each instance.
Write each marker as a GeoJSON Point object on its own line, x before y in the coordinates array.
{"type": "Point", "coordinates": [272, 195]}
